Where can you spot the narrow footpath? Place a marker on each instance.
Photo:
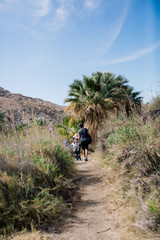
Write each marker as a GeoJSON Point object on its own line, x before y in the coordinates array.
{"type": "Point", "coordinates": [89, 219]}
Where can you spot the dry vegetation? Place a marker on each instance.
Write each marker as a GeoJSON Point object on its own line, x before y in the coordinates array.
{"type": "Point", "coordinates": [35, 173]}
{"type": "Point", "coordinates": [35, 235]}
{"type": "Point", "coordinates": [130, 151]}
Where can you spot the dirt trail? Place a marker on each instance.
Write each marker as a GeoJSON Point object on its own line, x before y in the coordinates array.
{"type": "Point", "coordinates": [89, 219]}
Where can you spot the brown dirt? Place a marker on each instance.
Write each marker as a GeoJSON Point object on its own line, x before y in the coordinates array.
{"type": "Point", "coordinates": [89, 218]}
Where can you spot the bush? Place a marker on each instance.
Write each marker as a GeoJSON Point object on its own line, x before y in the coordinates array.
{"type": "Point", "coordinates": [33, 171]}
{"type": "Point", "coordinates": [124, 135]}
{"type": "Point", "coordinates": [155, 209]}
{"type": "Point", "coordinates": [2, 120]}
{"type": "Point", "coordinates": [155, 107]}
{"type": "Point", "coordinates": [133, 145]}
{"type": "Point", "coordinates": [21, 126]}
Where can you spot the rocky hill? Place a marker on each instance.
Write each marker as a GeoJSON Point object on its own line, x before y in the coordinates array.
{"type": "Point", "coordinates": [18, 108]}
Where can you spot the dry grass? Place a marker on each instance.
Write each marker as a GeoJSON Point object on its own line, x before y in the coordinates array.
{"type": "Point", "coordinates": [34, 178]}
{"type": "Point", "coordinates": [131, 159]}
{"type": "Point", "coordinates": [122, 204]}
{"type": "Point", "coordinates": [120, 207]}
{"type": "Point", "coordinates": [31, 236]}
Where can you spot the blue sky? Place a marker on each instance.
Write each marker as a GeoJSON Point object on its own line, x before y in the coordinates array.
{"type": "Point", "coordinates": [46, 44]}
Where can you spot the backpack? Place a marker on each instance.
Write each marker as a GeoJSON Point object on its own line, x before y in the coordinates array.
{"type": "Point", "coordinates": [89, 140]}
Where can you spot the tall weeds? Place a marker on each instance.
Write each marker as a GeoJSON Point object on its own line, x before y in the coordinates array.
{"type": "Point", "coordinates": [34, 178]}
{"type": "Point", "coordinates": [132, 147]}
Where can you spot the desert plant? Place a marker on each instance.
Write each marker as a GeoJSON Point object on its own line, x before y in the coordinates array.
{"type": "Point", "coordinates": [93, 97]}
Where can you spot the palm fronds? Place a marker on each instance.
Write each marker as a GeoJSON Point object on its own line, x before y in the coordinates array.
{"type": "Point", "coordinates": [96, 95]}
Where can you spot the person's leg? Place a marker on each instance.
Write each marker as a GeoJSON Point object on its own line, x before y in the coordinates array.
{"type": "Point", "coordinates": [79, 156]}
{"type": "Point", "coordinates": [86, 153]}
{"type": "Point", "coordinates": [85, 149]}
{"type": "Point", "coordinates": [76, 155]}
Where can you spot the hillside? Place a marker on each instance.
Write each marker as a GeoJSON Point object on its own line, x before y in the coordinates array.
{"type": "Point", "coordinates": [18, 108]}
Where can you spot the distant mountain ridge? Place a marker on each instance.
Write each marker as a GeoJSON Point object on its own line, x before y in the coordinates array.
{"type": "Point", "coordinates": [19, 108]}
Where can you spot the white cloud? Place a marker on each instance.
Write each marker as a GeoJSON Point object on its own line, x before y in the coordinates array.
{"type": "Point", "coordinates": [91, 4]}
{"type": "Point", "coordinates": [42, 8]}
{"type": "Point", "coordinates": [61, 13]}
{"type": "Point", "coordinates": [57, 12]}
{"type": "Point", "coordinates": [135, 55]}
{"type": "Point", "coordinates": [116, 29]}
{"type": "Point", "coordinates": [59, 19]}
{"type": "Point", "coordinates": [66, 8]}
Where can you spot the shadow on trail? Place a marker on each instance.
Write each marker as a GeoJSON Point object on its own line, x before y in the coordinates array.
{"type": "Point", "coordinates": [85, 178]}
{"type": "Point", "coordinates": [74, 219]}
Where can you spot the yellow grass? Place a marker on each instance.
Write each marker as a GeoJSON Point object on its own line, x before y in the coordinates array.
{"type": "Point", "coordinates": [121, 205]}
{"type": "Point", "coordinates": [31, 236]}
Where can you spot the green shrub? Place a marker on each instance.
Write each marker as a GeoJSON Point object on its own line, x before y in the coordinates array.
{"type": "Point", "coordinates": [155, 209]}
{"type": "Point", "coordinates": [64, 160]}
{"type": "Point", "coordinates": [124, 135]}
{"type": "Point", "coordinates": [2, 120]}
{"type": "Point", "coordinates": [41, 122]}
{"type": "Point", "coordinates": [34, 172]}
{"type": "Point", "coordinates": [21, 126]}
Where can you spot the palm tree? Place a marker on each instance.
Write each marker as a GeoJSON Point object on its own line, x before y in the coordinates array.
{"type": "Point", "coordinates": [132, 101]}
{"type": "Point", "coordinates": [92, 98]}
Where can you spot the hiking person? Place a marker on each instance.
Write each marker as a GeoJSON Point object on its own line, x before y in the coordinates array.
{"type": "Point", "coordinates": [76, 148]}
{"type": "Point", "coordinates": [83, 140]}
